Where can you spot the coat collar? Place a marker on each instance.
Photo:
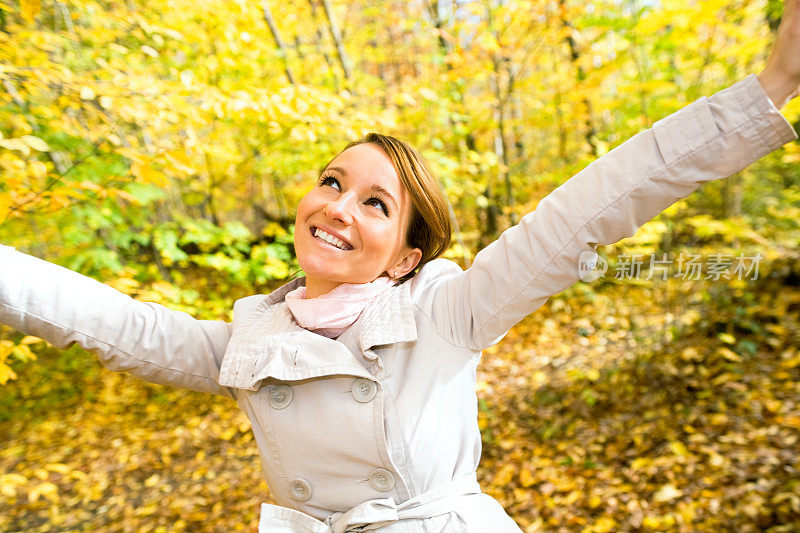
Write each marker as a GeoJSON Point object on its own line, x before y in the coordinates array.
{"type": "Point", "coordinates": [267, 342]}
{"type": "Point", "coordinates": [387, 319]}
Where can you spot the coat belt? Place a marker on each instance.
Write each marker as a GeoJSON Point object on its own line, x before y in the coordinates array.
{"type": "Point", "coordinates": [372, 514]}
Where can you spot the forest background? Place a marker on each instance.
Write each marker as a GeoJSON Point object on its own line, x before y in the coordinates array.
{"type": "Point", "coordinates": [161, 147]}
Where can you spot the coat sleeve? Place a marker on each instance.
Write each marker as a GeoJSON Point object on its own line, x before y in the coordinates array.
{"type": "Point", "coordinates": [148, 340]}
{"type": "Point", "coordinates": [607, 201]}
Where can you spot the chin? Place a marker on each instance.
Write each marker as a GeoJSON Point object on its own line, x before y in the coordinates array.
{"type": "Point", "coordinates": [320, 269]}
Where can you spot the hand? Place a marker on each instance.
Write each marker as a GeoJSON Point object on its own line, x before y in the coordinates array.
{"type": "Point", "coordinates": [781, 77]}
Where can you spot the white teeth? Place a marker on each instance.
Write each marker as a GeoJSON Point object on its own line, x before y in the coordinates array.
{"type": "Point", "coordinates": [327, 237]}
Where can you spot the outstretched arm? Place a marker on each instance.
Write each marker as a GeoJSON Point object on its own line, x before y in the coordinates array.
{"type": "Point", "coordinates": [611, 198]}
{"type": "Point", "coordinates": [781, 77]}
{"type": "Point", "coordinates": [146, 339]}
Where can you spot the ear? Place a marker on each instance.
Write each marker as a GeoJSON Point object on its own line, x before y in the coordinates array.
{"type": "Point", "coordinates": [409, 261]}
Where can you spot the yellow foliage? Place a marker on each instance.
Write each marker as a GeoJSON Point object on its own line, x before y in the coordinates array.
{"type": "Point", "coordinates": [5, 204]}
{"type": "Point", "coordinates": [30, 9]}
{"type": "Point", "coordinates": [504, 475]}
{"type": "Point", "coordinates": [47, 489]}
{"type": "Point", "coordinates": [614, 430]}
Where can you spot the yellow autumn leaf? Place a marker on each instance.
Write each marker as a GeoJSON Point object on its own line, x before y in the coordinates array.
{"type": "Point", "coordinates": [30, 9]}
{"type": "Point", "coordinates": [23, 352]}
{"type": "Point", "coordinates": [35, 142]}
{"type": "Point", "coordinates": [131, 153]}
{"type": "Point", "coordinates": [165, 289]}
{"type": "Point", "coordinates": [46, 489]}
{"type": "Point", "coordinates": [180, 161]}
{"type": "Point", "coordinates": [505, 475]}
{"type": "Point", "coordinates": [5, 348]}
{"type": "Point", "coordinates": [124, 284]}
{"type": "Point", "coordinates": [526, 478]}
{"type": "Point", "coordinates": [657, 522]}
{"type": "Point", "coordinates": [16, 144]}
{"type": "Point", "coordinates": [147, 510]}
{"type": "Point", "coordinates": [678, 448]}
{"type": "Point", "coordinates": [791, 361]}
{"type": "Point", "coordinates": [90, 186]}
{"type": "Point", "coordinates": [61, 468]}
{"type": "Point", "coordinates": [772, 405]}
{"type": "Point", "coordinates": [604, 524]}
{"type": "Point", "coordinates": [427, 94]}
{"type": "Point", "coordinates": [9, 484]}
{"type": "Point", "coordinates": [87, 93]}
{"type": "Point", "coordinates": [37, 170]}
{"type": "Point", "coordinates": [143, 171]}
{"type": "Point", "coordinates": [12, 479]}
{"type": "Point", "coordinates": [6, 373]}
{"type": "Point", "coordinates": [228, 434]}
{"type": "Point", "coordinates": [667, 493]}
{"type": "Point", "coordinates": [5, 206]}
{"type": "Point", "coordinates": [595, 501]}
{"type": "Point", "coordinates": [729, 355]}
{"type": "Point", "coordinates": [719, 419]}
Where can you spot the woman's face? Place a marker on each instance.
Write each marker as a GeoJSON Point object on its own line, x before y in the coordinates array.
{"type": "Point", "coordinates": [351, 226]}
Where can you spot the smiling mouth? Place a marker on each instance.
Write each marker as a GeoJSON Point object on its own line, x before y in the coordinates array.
{"type": "Point", "coordinates": [327, 238]}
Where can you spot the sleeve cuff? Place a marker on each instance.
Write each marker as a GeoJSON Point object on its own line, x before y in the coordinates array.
{"type": "Point", "coordinates": [776, 130]}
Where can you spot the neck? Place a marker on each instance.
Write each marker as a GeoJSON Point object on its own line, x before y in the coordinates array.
{"type": "Point", "coordinates": [317, 287]}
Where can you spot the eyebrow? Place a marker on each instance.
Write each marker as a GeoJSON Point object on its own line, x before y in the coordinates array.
{"type": "Point", "coordinates": [375, 187]}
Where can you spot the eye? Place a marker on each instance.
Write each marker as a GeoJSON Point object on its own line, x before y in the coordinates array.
{"type": "Point", "coordinates": [330, 181]}
{"type": "Point", "coordinates": [377, 202]}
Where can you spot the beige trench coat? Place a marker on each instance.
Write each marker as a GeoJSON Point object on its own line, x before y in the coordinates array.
{"type": "Point", "coordinates": [378, 429]}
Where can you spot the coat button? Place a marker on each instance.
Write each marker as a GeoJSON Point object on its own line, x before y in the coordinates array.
{"type": "Point", "coordinates": [381, 480]}
{"type": "Point", "coordinates": [364, 390]}
{"type": "Point", "coordinates": [299, 489]}
{"type": "Point", "coordinates": [280, 396]}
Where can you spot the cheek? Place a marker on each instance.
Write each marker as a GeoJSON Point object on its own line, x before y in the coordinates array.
{"type": "Point", "coordinates": [304, 210]}
{"type": "Point", "coordinates": [303, 206]}
{"type": "Point", "coordinates": [382, 238]}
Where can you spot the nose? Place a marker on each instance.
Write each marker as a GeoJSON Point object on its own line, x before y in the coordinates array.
{"type": "Point", "coordinates": [340, 209]}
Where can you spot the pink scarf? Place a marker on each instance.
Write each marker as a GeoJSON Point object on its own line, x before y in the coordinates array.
{"type": "Point", "coordinates": [334, 311]}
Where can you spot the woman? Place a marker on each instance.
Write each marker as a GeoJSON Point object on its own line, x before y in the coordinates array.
{"type": "Point", "coordinates": [359, 379]}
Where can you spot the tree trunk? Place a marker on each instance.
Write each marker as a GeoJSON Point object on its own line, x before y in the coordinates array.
{"type": "Point", "coordinates": [519, 131]}
{"type": "Point", "coordinates": [732, 196]}
{"type": "Point", "coordinates": [490, 232]}
{"type": "Point", "coordinates": [64, 10]}
{"type": "Point", "coordinates": [581, 76]}
{"type": "Point", "coordinates": [273, 28]}
{"type": "Point", "coordinates": [469, 139]}
{"type": "Point", "coordinates": [298, 47]}
{"type": "Point", "coordinates": [337, 38]}
{"type": "Point", "coordinates": [638, 63]}
{"type": "Point", "coordinates": [319, 38]}
{"type": "Point", "coordinates": [500, 140]}
{"type": "Point", "coordinates": [501, 98]}
{"type": "Point", "coordinates": [155, 255]}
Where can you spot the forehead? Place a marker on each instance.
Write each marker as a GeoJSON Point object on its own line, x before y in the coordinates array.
{"type": "Point", "coordinates": [368, 164]}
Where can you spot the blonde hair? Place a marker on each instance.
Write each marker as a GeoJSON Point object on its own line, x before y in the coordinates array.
{"type": "Point", "coordinates": [429, 225]}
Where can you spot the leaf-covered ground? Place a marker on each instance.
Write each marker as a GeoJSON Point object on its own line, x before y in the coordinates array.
{"type": "Point", "coordinates": [616, 408]}
{"type": "Point", "coordinates": [594, 422]}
